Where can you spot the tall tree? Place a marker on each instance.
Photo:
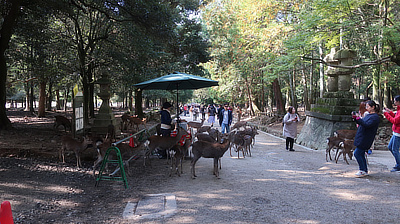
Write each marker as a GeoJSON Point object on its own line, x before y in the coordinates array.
{"type": "Point", "coordinates": [10, 10]}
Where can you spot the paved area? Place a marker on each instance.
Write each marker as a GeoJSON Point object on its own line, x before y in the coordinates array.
{"type": "Point", "coordinates": [278, 186]}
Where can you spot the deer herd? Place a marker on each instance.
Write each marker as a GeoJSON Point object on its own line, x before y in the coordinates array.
{"type": "Point", "coordinates": [195, 141]}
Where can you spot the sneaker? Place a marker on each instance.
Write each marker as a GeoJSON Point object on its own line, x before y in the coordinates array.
{"type": "Point", "coordinates": [395, 169]}
{"type": "Point", "coordinates": [292, 150]}
{"type": "Point", "coordinates": [361, 173]}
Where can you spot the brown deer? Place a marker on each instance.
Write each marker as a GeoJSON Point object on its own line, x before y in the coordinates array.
{"type": "Point", "coordinates": [61, 120]}
{"type": "Point", "coordinates": [209, 150]}
{"type": "Point", "coordinates": [135, 121]}
{"type": "Point", "coordinates": [163, 142]}
{"type": "Point", "coordinates": [70, 144]}
{"type": "Point", "coordinates": [196, 125]}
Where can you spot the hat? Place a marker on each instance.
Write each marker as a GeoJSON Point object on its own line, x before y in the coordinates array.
{"type": "Point", "coordinates": [166, 105]}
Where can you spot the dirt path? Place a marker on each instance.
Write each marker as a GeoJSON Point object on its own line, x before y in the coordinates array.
{"type": "Point", "coordinates": [272, 186]}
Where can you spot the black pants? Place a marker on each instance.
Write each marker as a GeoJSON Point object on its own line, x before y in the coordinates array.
{"type": "Point", "coordinates": [289, 143]}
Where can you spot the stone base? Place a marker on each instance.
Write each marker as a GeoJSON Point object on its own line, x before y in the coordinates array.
{"type": "Point", "coordinates": [101, 123]}
{"type": "Point", "coordinates": [318, 127]}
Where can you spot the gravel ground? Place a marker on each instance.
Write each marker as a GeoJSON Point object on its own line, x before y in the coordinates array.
{"type": "Point", "coordinates": [272, 186]}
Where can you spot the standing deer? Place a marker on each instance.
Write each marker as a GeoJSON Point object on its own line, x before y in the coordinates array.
{"type": "Point", "coordinates": [70, 144]}
{"type": "Point", "coordinates": [209, 150]}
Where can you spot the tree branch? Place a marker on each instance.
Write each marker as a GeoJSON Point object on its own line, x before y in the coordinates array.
{"type": "Point", "coordinates": [367, 63]}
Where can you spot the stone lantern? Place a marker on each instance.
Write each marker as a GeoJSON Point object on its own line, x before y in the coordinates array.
{"type": "Point", "coordinates": [105, 115]}
{"type": "Point", "coordinates": [333, 111]}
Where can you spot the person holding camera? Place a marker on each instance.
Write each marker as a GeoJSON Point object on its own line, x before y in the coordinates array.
{"type": "Point", "coordinates": [394, 143]}
{"type": "Point", "coordinates": [290, 121]}
{"type": "Point", "coordinates": [367, 128]}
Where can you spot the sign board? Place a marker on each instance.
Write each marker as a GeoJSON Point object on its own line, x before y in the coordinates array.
{"type": "Point", "coordinates": [78, 118]}
{"type": "Point", "coordinates": [78, 107]}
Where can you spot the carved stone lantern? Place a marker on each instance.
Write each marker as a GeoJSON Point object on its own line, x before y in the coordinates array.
{"type": "Point", "coordinates": [105, 115]}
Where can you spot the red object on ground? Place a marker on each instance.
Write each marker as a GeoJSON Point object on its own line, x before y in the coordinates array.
{"type": "Point", "coordinates": [131, 143]}
{"type": "Point", "coordinates": [6, 213]}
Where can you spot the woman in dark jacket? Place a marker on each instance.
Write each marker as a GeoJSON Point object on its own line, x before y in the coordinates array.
{"type": "Point", "coordinates": [365, 136]}
{"type": "Point", "coordinates": [166, 119]}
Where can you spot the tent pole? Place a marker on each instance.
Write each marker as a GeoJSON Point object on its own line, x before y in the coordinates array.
{"type": "Point", "coordinates": [177, 103]}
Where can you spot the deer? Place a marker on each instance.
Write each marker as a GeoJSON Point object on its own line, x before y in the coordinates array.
{"type": "Point", "coordinates": [126, 152]}
{"type": "Point", "coordinates": [61, 120]}
{"type": "Point", "coordinates": [209, 138]}
{"type": "Point", "coordinates": [135, 121]}
{"type": "Point", "coordinates": [345, 134]}
{"type": "Point", "coordinates": [247, 141]}
{"type": "Point", "coordinates": [239, 124]}
{"type": "Point", "coordinates": [125, 120]}
{"type": "Point", "coordinates": [203, 129]}
{"type": "Point", "coordinates": [110, 132]}
{"type": "Point", "coordinates": [70, 144]}
{"type": "Point", "coordinates": [237, 140]}
{"type": "Point", "coordinates": [347, 147]}
{"type": "Point", "coordinates": [195, 125]}
{"type": "Point", "coordinates": [177, 153]}
{"type": "Point", "coordinates": [162, 142]}
{"type": "Point", "coordinates": [333, 142]}
{"type": "Point", "coordinates": [209, 150]}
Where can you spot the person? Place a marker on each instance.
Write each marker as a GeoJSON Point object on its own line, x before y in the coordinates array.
{"type": "Point", "coordinates": [367, 128]}
{"type": "Point", "coordinates": [211, 114]}
{"type": "Point", "coordinates": [166, 119]}
{"type": "Point", "coordinates": [191, 111]}
{"type": "Point", "coordinates": [185, 112]}
{"type": "Point", "coordinates": [196, 112]}
{"type": "Point", "coordinates": [290, 121]}
{"type": "Point", "coordinates": [363, 112]}
{"type": "Point", "coordinates": [203, 112]}
{"type": "Point", "coordinates": [225, 118]}
{"type": "Point", "coordinates": [166, 125]}
{"type": "Point", "coordinates": [219, 110]}
{"type": "Point", "coordinates": [394, 143]}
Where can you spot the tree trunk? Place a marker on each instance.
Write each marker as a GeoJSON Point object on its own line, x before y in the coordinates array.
{"type": "Point", "coordinates": [31, 98]}
{"type": "Point", "coordinates": [138, 103]}
{"type": "Point", "coordinates": [321, 73]}
{"type": "Point", "coordinates": [305, 97]}
{"type": "Point", "coordinates": [58, 102]}
{"type": "Point", "coordinates": [42, 99]}
{"type": "Point", "coordinates": [8, 22]}
{"type": "Point", "coordinates": [278, 97]}
{"type": "Point", "coordinates": [91, 96]}
{"type": "Point", "coordinates": [27, 96]}
{"type": "Point", "coordinates": [130, 103]}
{"type": "Point", "coordinates": [50, 96]}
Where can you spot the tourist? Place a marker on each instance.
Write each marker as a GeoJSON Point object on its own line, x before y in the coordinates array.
{"type": "Point", "coordinates": [290, 121]}
{"type": "Point", "coordinates": [365, 136]}
{"type": "Point", "coordinates": [211, 114]}
{"type": "Point", "coordinates": [225, 118]}
{"type": "Point", "coordinates": [394, 143]}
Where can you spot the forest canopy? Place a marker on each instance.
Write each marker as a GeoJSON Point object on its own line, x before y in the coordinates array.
{"type": "Point", "coordinates": [265, 54]}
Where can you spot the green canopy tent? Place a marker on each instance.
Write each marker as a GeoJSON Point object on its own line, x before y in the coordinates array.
{"type": "Point", "coordinates": [177, 81]}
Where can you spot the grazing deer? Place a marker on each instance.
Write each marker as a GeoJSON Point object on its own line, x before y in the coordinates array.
{"type": "Point", "coordinates": [61, 120]}
{"type": "Point", "coordinates": [70, 144]}
{"type": "Point", "coordinates": [135, 121]}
